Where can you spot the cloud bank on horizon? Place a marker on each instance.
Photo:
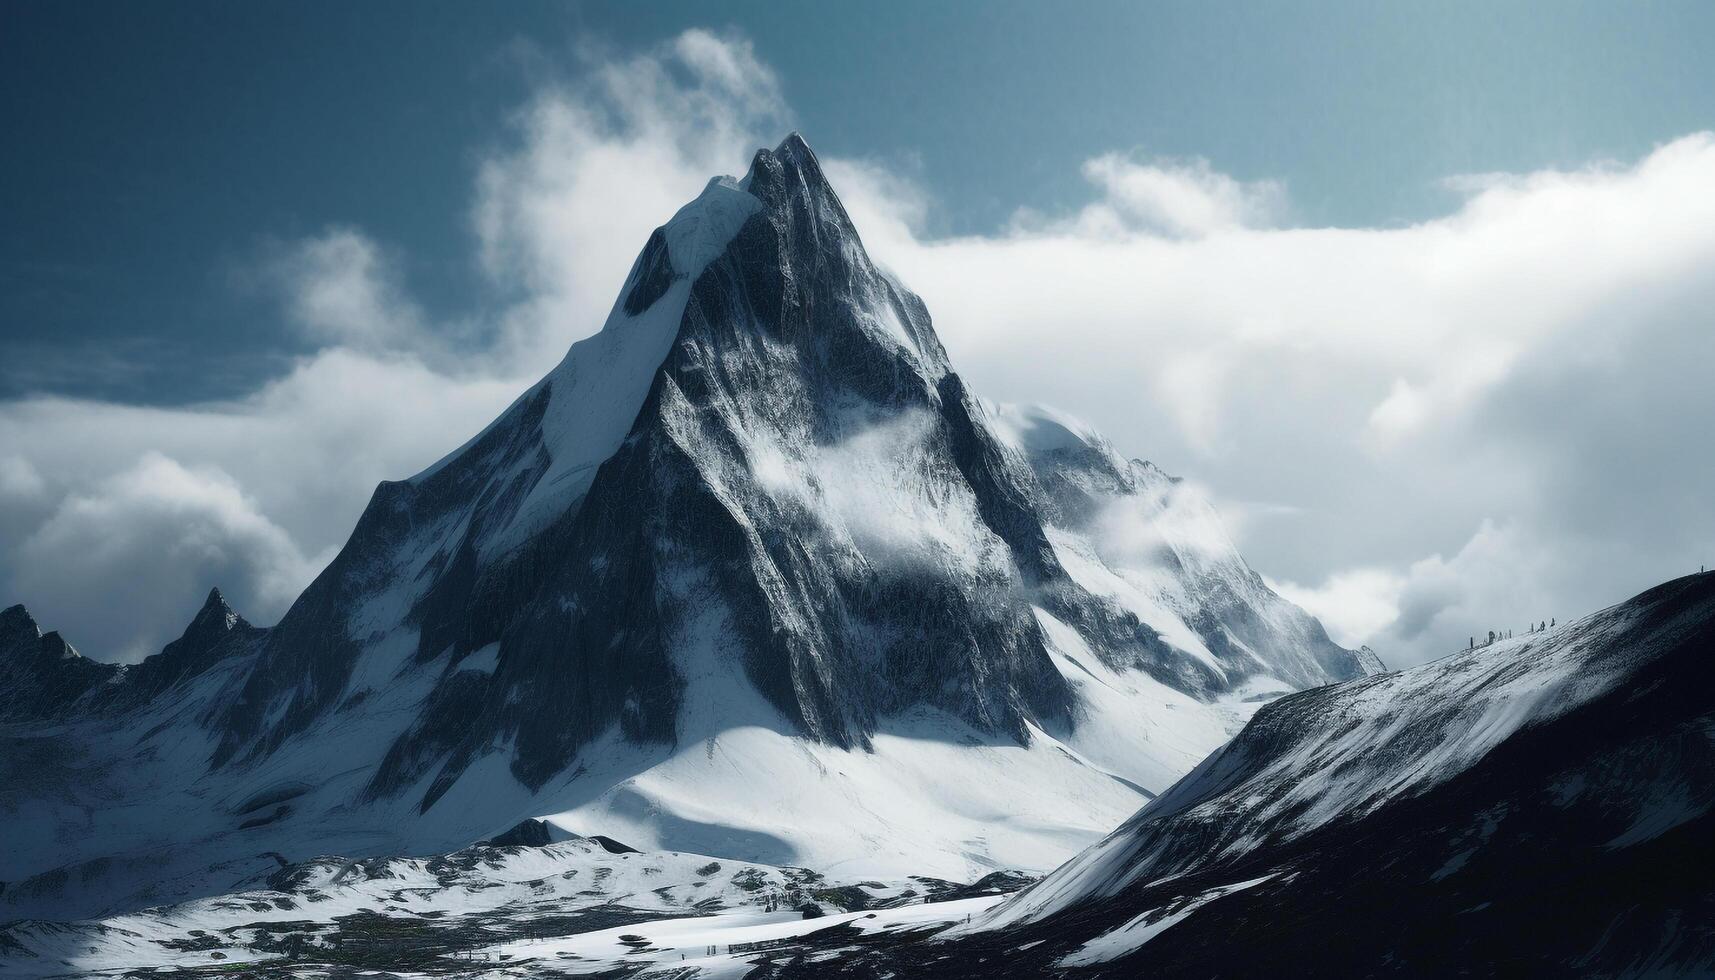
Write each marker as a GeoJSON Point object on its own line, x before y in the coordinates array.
{"type": "Point", "coordinates": [1421, 432]}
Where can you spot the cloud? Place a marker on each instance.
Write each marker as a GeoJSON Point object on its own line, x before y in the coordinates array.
{"type": "Point", "coordinates": [1171, 198]}
{"type": "Point", "coordinates": [19, 479]}
{"type": "Point", "coordinates": [1355, 604]}
{"type": "Point", "coordinates": [1517, 384]}
{"type": "Point", "coordinates": [592, 164]}
{"type": "Point", "coordinates": [141, 540]}
{"type": "Point", "coordinates": [1529, 360]}
{"type": "Point", "coordinates": [879, 488]}
{"type": "Point", "coordinates": [1498, 580]}
{"type": "Point", "coordinates": [1176, 518]}
{"type": "Point", "coordinates": [339, 289]}
{"type": "Point", "coordinates": [300, 457]}
{"type": "Point", "coordinates": [882, 484]}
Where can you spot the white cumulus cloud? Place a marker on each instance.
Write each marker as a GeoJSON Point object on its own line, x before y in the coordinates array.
{"type": "Point", "coordinates": [147, 537]}
{"type": "Point", "coordinates": [1530, 359]}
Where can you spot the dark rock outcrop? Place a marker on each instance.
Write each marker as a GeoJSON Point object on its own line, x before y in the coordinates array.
{"type": "Point", "coordinates": [41, 674]}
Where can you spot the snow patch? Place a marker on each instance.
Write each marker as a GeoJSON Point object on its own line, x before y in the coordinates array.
{"type": "Point", "coordinates": [1131, 937]}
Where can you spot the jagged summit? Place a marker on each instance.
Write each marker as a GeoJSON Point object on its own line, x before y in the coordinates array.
{"type": "Point", "coordinates": [16, 620]}
{"type": "Point", "coordinates": [217, 632]}
{"type": "Point", "coordinates": [41, 675]}
{"type": "Point", "coordinates": [49, 677]}
{"type": "Point", "coordinates": [215, 616]}
{"type": "Point", "coordinates": [794, 146]}
{"type": "Point", "coordinates": [55, 646]}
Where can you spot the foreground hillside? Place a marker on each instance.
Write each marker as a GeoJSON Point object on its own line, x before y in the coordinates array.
{"type": "Point", "coordinates": [1539, 807]}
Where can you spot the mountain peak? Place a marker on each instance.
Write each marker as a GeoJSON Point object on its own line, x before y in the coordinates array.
{"type": "Point", "coordinates": [215, 614]}
{"type": "Point", "coordinates": [16, 621]}
{"type": "Point", "coordinates": [54, 646]}
{"type": "Point", "coordinates": [794, 147]}
{"type": "Point", "coordinates": [1371, 661]}
{"type": "Point", "coordinates": [203, 637]}
{"type": "Point", "coordinates": [791, 150]}
{"type": "Point", "coordinates": [726, 413]}
{"type": "Point", "coordinates": [790, 177]}
{"type": "Point", "coordinates": [40, 673]}
{"type": "Point", "coordinates": [757, 506]}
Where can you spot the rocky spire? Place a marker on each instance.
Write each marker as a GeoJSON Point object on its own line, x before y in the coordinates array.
{"type": "Point", "coordinates": [214, 620]}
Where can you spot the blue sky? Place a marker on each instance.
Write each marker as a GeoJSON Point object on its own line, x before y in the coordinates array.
{"type": "Point", "coordinates": [1416, 293]}
{"type": "Point", "coordinates": [157, 151]}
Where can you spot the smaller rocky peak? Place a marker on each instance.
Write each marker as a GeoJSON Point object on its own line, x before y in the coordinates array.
{"type": "Point", "coordinates": [529, 832]}
{"type": "Point", "coordinates": [1369, 661]}
{"type": "Point", "coordinates": [212, 624]}
{"type": "Point", "coordinates": [216, 615]}
{"type": "Point", "coordinates": [26, 647]}
{"type": "Point", "coordinates": [41, 675]}
{"type": "Point", "coordinates": [215, 633]}
{"type": "Point", "coordinates": [16, 624]}
{"type": "Point", "coordinates": [55, 647]}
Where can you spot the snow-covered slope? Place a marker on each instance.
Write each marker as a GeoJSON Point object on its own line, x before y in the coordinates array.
{"type": "Point", "coordinates": [1540, 806]}
{"type": "Point", "coordinates": [480, 907]}
{"type": "Point", "coordinates": [750, 573]}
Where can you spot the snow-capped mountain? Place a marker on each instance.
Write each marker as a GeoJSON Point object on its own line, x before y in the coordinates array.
{"type": "Point", "coordinates": [750, 573]}
{"type": "Point", "coordinates": [1541, 806]}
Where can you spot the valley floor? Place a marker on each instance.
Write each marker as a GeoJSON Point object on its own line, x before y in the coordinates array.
{"type": "Point", "coordinates": [575, 908]}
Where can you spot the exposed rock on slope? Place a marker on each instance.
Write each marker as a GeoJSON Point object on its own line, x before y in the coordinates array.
{"type": "Point", "coordinates": [42, 674]}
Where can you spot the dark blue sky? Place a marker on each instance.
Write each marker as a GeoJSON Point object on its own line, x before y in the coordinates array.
{"type": "Point", "coordinates": [154, 151]}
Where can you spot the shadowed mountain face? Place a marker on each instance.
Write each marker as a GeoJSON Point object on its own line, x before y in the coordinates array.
{"type": "Point", "coordinates": [760, 481]}
{"type": "Point", "coordinates": [42, 675]}
{"type": "Point", "coordinates": [1537, 807]}
{"type": "Point", "coordinates": [46, 679]}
